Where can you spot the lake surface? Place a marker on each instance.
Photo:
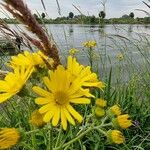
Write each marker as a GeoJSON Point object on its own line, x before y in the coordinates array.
{"type": "Point", "coordinates": [130, 40]}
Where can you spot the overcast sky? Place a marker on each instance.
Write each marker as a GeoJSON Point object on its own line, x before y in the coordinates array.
{"type": "Point", "coordinates": [114, 8]}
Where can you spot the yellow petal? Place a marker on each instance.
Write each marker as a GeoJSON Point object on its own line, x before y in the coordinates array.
{"type": "Point", "coordinates": [46, 108]}
{"type": "Point", "coordinates": [48, 83]}
{"type": "Point", "coordinates": [41, 91]}
{"type": "Point", "coordinates": [41, 100]}
{"type": "Point", "coordinates": [48, 116]}
{"type": "Point", "coordinates": [91, 84]}
{"type": "Point", "coordinates": [63, 120]}
{"type": "Point", "coordinates": [56, 116]}
{"type": "Point", "coordinates": [80, 101]}
{"type": "Point", "coordinates": [3, 86]}
{"type": "Point", "coordinates": [90, 77]}
{"type": "Point", "coordinates": [74, 113]}
{"type": "Point", "coordinates": [27, 72]}
{"type": "Point", "coordinates": [68, 116]}
{"type": "Point", "coordinates": [5, 96]}
{"type": "Point", "coordinates": [69, 64]}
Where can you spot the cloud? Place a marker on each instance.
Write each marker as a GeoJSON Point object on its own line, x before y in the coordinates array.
{"type": "Point", "coordinates": [114, 8]}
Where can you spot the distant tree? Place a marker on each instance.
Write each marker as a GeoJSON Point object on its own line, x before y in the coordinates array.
{"type": "Point", "coordinates": [43, 15]}
{"type": "Point", "coordinates": [146, 20]}
{"type": "Point", "coordinates": [71, 15]}
{"type": "Point", "coordinates": [92, 19]}
{"type": "Point", "coordinates": [131, 15]}
{"type": "Point", "coordinates": [102, 14]}
{"type": "Point", "coordinates": [125, 16]}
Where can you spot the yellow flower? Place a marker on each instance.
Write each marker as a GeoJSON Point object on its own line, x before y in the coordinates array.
{"type": "Point", "coordinates": [37, 119]}
{"type": "Point", "coordinates": [115, 110]}
{"type": "Point", "coordinates": [74, 67]}
{"type": "Point", "coordinates": [8, 137]}
{"type": "Point", "coordinates": [48, 60]}
{"type": "Point", "coordinates": [83, 74]}
{"type": "Point", "coordinates": [120, 56]}
{"type": "Point", "coordinates": [122, 121]}
{"type": "Point", "coordinates": [14, 82]}
{"type": "Point", "coordinates": [115, 136]}
{"type": "Point", "coordinates": [99, 112]}
{"type": "Point", "coordinates": [89, 44]}
{"type": "Point", "coordinates": [62, 92]}
{"type": "Point", "coordinates": [29, 59]}
{"type": "Point", "coordinates": [73, 51]}
{"type": "Point", "coordinates": [101, 102]}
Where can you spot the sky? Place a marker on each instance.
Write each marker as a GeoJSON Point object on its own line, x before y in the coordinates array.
{"type": "Point", "coordinates": [114, 8]}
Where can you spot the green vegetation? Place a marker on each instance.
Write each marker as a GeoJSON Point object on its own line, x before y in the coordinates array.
{"type": "Point", "coordinates": [7, 48]}
{"type": "Point", "coordinates": [78, 19]}
{"type": "Point", "coordinates": [132, 96]}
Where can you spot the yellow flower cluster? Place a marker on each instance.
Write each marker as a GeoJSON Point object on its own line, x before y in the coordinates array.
{"type": "Point", "coordinates": [73, 88]}
{"type": "Point", "coordinates": [8, 137]}
{"type": "Point", "coordinates": [73, 51]}
{"type": "Point", "coordinates": [23, 65]}
{"type": "Point", "coordinates": [117, 121]}
{"type": "Point", "coordinates": [89, 44]}
{"type": "Point", "coordinates": [28, 59]}
{"type": "Point", "coordinates": [64, 88]}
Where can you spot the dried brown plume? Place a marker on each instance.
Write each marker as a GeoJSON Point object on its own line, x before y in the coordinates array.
{"type": "Point", "coordinates": [20, 11]}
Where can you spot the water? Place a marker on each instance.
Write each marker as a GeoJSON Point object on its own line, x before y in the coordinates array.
{"type": "Point", "coordinates": [130, 40]}
{"type": "Point", "coordinates": [69, 36]}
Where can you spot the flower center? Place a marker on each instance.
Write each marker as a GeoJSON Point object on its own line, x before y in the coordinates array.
{"type": "Point", "coordinates": [61, 97]}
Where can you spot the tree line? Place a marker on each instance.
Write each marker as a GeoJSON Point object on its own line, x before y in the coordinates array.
{"type": "Point", "coordinates": [78, 19]}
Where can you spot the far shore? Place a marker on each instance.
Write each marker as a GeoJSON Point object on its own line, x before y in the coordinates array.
{"type": "Point", "coordinates": [85, 20]}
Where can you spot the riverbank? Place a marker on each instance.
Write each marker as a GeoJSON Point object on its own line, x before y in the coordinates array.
{"type": "Point", "coordinates": [86, 20]}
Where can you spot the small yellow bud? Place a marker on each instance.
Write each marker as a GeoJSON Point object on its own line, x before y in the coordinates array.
{"type": "Point", "coordinates": [120, 56]}
{"type": "Point", "coordinates": [115, 136]}
{"type": "Point", "coordinates": [101, 102]}
{"type": "Point", "coordinates": [122, 121]}
{"type": "Point", "coordinates": [8, 137]}
{"type": "Point", "coordinates": [73, 51]}
{"type": "Point", "coordinates": [37, 119]}
{"type": "Point", "coordinates": [99, 112]}
{"type": "Point", "coordinates": [114, 111]}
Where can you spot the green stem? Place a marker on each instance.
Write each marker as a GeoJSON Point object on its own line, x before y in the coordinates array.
{"type": "Point", "coordinates": [101, 131]}
{"type": "Point", "coordinates": [105, 125]}
{"type": "Point", "coordinates": [58, 138]}
{"type": "Point", "coordinates": [36, 130]}
{"type": "Point", "coordinates": [26, 146]}
{"type": "Point", "coordinates": [75, 139]}
{"type": "Point", "coordinates": [50, 140]}
{"type": "Point", "coordinates": [84, 133]}
{"type": "Point", "coordinates": [90, 57]}
{"type": "Point", "coordinates": [33, 131]}
{"type": "Point", "coordinates": [33, 139]}
{"type": "Point", "coordinates": [103, 121]}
